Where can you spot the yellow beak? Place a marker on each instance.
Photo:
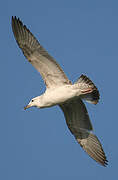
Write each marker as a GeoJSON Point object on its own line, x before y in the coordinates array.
{"type": "Point", "coordinates": [26, 107]}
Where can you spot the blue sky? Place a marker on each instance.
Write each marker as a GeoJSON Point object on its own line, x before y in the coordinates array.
{"type": "Point", "coordinates": [83, 37]}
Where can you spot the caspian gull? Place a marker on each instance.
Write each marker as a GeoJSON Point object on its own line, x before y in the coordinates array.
{"type": "Point", "coordinates": [60, 91]}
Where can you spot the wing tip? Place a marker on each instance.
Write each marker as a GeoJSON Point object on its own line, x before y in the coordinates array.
{"type": "Point", "coordinates": [105, 163]}
{"type": "Point", "coordinates": [24, 38]}
{"type": "Point", "coordinates": [92, 146]}
{"type": "Point", "coordinates": [14, 19]}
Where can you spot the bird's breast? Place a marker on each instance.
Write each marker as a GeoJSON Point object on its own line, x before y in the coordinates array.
{"type": "Point", "coordinates": [58, 95]}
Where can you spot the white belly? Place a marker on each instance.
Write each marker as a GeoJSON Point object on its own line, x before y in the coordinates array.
{"type": "Point", "coordinates": [59, 95]}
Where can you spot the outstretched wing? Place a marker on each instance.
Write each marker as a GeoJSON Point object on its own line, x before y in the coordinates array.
{"type": "Point", "coordinates": [49, 69]}
{"type": "Point", "coordinates": [79, 124]}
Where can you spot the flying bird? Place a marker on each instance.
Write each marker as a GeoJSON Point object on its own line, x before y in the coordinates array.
{"type": "Point", "coordinates": [60, 91]}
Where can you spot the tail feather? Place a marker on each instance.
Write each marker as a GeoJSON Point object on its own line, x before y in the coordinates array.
{"type": "Point", "coordinates": [92, 97]}
{"type": "Point", "coordinates": [89, 91]}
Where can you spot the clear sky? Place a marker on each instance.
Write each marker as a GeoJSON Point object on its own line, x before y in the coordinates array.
{"type": "Point", "coordinates": [83, 37]}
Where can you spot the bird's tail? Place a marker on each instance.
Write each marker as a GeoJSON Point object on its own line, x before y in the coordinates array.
{"type": "Point", "coordinates": [89, 91]}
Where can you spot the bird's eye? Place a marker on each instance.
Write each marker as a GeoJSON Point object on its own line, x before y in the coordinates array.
{"type": "Point", "coordinates": [32, 100]}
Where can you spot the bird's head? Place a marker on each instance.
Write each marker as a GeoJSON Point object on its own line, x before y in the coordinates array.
{"type": "Point", "coordinates": [35, 102]}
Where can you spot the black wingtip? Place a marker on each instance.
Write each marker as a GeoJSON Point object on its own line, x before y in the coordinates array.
{"type": "Point", "coordinates": [106, 163]}
{"type": "Point", "coordinates": [14, 18]}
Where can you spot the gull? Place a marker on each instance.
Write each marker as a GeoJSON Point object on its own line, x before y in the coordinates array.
{"type": "Point", "coordinates": [60, 91]}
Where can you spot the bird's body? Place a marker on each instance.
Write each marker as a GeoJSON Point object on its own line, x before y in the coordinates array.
{"type": "Point", "coordinates": [58, 96]}
{"type": "Point", "coordinates": [60, 91]}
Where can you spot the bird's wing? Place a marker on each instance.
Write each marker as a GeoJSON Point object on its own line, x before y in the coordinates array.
{"type": "Point", "coordinates": [49, 69]}
{"type": "Point", "coordinates": [79, 124]}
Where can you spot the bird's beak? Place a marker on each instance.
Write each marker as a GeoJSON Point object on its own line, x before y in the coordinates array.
{"type": "Point", "coordinates": [26, 107]}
